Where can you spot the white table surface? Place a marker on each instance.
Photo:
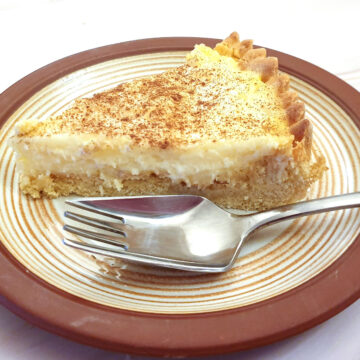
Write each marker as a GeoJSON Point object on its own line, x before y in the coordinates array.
{"type": "Point", "coordinates": [35, 33]}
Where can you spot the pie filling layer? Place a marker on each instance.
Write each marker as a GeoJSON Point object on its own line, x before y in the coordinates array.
{"type": "Point", "coordinates": [195, 165]}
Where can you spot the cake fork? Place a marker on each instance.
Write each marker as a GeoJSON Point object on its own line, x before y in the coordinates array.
{"type": "Point", "coordinates": [183, 232]}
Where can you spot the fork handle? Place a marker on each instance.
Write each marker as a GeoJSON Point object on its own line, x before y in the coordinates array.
{"type": "Point", "coordinates": [304, 208]}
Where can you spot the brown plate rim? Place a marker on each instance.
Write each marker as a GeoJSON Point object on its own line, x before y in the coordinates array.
{"type": "Point", "coordinates": [242, 328]}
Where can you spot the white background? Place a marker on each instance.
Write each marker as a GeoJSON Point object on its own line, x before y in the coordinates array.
{"type": "Point", "coordinates": [36, 32]}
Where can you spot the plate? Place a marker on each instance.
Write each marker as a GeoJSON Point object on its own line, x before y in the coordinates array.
{"type": "Point", "coordinates": [288, 278]}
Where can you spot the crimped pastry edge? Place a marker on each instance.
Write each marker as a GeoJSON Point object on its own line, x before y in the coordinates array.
{"type": "Point", "coordinates": [257, 60]}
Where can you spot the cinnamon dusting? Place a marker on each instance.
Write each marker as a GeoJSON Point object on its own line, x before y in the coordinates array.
{"type": "Point", "coordinates": [180, 107]}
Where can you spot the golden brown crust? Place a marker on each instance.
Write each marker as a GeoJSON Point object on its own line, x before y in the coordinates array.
{"type": "Point", "coordinates": [260, 187]}
{"type": "Point", "coordinates": [256, 60]}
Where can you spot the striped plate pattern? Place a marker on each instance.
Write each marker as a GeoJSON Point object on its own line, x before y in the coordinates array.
{"type": "Point", "coordinates": [278, 259]}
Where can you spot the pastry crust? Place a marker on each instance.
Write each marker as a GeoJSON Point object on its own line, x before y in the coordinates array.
{"type": "Point", "coordinates": [256, 60]}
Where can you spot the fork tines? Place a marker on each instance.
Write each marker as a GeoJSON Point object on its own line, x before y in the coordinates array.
{"type": "Point", "coordinates": [104, 220]}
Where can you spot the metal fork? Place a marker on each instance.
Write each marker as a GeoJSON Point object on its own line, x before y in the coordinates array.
{"type": "Point", "coordinates": [177, 231]}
